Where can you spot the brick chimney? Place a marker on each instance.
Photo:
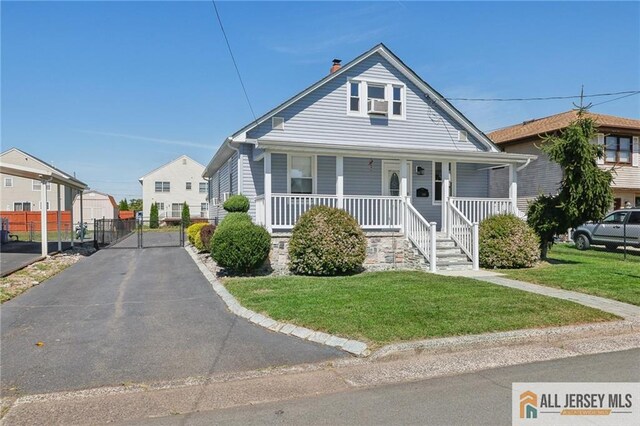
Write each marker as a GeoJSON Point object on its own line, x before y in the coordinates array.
{"type": "Point", "coordinates": [336, 66]}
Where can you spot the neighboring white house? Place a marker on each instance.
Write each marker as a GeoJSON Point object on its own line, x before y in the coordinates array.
{"type": "Point", "coordinates": [95, 205]}
{"type": "Point", "coordinates": [173, 184]}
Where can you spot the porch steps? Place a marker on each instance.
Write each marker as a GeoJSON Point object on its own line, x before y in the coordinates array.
{"type": "Point", "coordinates": [448, 256]}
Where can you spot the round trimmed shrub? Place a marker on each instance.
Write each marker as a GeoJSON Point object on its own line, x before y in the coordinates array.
{"type": "Point", "coordinates": [204, 237]}
{"type": "Point", "coordinates": [236, 203]}
{"type": "Point", "coordinates": [507, 242]}
{"type": "Point", "coordinates": [193, 230]}
{"type": "Point", "coordinates": [241, 246]}
{"type": "Point", "coordinates": [326, 241]}
{"type": "Point", "coordinates": [235, 217]}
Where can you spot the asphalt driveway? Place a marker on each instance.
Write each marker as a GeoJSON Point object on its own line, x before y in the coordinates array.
{"type": "Point", "coordinates": [129, 315]}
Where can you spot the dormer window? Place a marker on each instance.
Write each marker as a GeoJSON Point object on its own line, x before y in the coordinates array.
{"type": "Point", "coordinates": [376, 98]}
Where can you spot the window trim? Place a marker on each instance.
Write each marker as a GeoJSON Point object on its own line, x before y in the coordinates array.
{"type": "Point", "coordinates": [206, 187]}
{"type": "Point", "coordinates": [617, 160]}
{"type": "Point", "coordinates": [8, 179]}
{"type": "Point", "coordinates": [314, 172]}
{"type": "Point", "coordinates": [363, 85]}
{"type": "Point", "coordinates": [33, 183]}
{"type": "Point", "coordinates": [162, 186]}
{"type": "Point", "coordinates": [188, 186]}
{"type": "Point", "coordinates": [453, 179]}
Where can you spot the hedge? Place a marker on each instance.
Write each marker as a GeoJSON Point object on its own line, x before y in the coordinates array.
{"type": "Point", "coordinates": [507, 242]}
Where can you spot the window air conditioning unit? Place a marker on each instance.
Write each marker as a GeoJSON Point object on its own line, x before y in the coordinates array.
{"type": "Point", "coordinates": [377, 107]}
{"type": "Point", "coordinates": [225, 196]}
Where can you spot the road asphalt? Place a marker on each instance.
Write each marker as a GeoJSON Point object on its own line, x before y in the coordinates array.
{"type": "Point", "coordinates": [481, 398]}
{"type": "Point", "coordinates": [133, 315]}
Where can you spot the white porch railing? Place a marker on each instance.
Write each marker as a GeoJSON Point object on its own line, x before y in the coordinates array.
{"type": "Point", "coordinates": [422, 234]}
{"type": "Point", "coordinates": [464, 233]}
{"type": "Point", "coordinates": [260, 213]}
{"type": "Point", "coordinates": [478, 209]}
{"type": "Point", "coordinates": [286, 209]}
{"type": "Point", "coordinates": [375, 212]}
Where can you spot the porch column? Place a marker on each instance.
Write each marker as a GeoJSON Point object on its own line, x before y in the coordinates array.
{"type": "Point", "coordinates": [403, 192]}
{"type": "Point", "coordinates": [81, 219]}
{"type": "Point", "coordinates": [446, 179]}
{"type": "Point", "coordinates": [267, 190]}
{"type": "Point", "coordinates": [58, 220]}
{"type": "Point", "coordinates": [340, 181]}
{"type": "Point", "coordinates": [43, 217]}
{"type": "Point", "coordinates": [513, 187]}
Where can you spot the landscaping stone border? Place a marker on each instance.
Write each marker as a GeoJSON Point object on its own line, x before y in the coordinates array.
{"type": "Point", "coordinates": [354, 347]}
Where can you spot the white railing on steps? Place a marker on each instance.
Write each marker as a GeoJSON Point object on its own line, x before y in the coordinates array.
{"type": "Point", "coordinates": [421, 233]}
{"type": "Point", "coordinates": [478, 209]}
{"type": "Point", "coordinates": [464, 233]}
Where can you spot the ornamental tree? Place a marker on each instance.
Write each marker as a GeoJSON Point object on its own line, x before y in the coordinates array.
{"type": "Point", "coordinates": [123, 205]}
{"type": "Point", "coordinates": [585, 190]}
{"type": "Point", "coordinates": [186, 215]}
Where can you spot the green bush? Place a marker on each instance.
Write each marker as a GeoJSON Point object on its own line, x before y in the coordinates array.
{"type": "Point", "coordinates": [240, 246]}
{"type": "Point", "coordinates": [154, 221]}
{"type": "Point", "coordinates": [507, 242]}
{"type": "Point", "coordinates": [233, 218]}
{"type": "Point", "coordinates": [326, 241]}
{"type": "Point", "coordinates": [186, 215]}
{"type": "Point", "coordinates": [193, 230]}
{"type": "Point", "coordinates": [236, 203]}
{"type": "Point", "coordinates": [203, 238]}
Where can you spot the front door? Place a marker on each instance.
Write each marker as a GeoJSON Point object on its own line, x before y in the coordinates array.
{"type": "Point", "coordinates": [391, 178]}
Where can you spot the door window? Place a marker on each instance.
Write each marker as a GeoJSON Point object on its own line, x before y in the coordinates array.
{"type": "Point", "coordinates": [394, 184]}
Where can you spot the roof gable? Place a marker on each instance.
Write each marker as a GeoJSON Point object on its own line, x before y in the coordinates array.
{"type": "Point", "coordinates": [168, 164]}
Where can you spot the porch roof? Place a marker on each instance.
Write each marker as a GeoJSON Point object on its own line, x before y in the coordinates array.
{"type": "Point", "coordinates": [40, 174]}
{"type": "Point", "coordinates": [395, 152]}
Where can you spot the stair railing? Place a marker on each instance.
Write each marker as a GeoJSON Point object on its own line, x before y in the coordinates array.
{"type": "Point", "coordinates": [421, 233]}
{"type": "Point", "coordinates": [464, 233]}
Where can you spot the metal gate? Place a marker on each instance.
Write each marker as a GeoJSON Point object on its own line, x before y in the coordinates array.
{"type": "Point", "coordinates": [136, 234]}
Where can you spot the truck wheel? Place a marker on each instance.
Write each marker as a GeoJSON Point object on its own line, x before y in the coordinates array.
{"type": "Point", "coordinates": [582, 242]}
{"type": "Point", "coordinates": [611, 247]}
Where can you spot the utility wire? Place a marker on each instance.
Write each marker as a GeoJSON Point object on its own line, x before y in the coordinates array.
{"type": "Point", "coordinates": [615, 99]}
{"type": "Point", "coordinates": [244, 89]}
{"type": "Point", "coordinates": [548, 98]}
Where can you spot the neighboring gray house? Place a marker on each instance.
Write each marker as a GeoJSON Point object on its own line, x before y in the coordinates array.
{"type": "Point", "coordinates": [376, 140]}
{"type": "Point", "coordinates": [619, 136]}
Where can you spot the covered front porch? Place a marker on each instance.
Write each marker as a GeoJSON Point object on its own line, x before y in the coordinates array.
{"type": "Point", "coordinates": [415, 192]}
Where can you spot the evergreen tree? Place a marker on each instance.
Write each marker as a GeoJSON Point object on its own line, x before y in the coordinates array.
{"type": "Point", "coordinates": [153, 216]}
{"type": "Point", "coordinates": [585, 191]}
{"type": "Point", "coordinates": [186, 215]}
{"type": "Point", "coordinates": [135, 204]}
{"type": "Point", "coordinates": [123, 205]}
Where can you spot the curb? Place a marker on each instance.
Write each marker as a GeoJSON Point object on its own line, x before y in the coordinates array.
{"type": "Point", "coordinates": [354, 347]}
{"type": "Point", "coordinates": [505, 338]}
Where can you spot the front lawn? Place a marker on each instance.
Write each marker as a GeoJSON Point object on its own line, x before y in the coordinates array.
{"type": "Point", "coordinates": [385, 307]}
{"type": "Point", "coordinates": [594, 271]}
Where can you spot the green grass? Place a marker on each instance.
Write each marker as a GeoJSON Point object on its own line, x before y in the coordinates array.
{"type": "Point", "coordinates": [385, 307]}
{"type": "Point", "coordinates": [594, 271]}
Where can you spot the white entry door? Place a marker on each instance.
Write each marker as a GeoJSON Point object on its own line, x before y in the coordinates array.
{"type": "Point", "coordinates": [391, 178]}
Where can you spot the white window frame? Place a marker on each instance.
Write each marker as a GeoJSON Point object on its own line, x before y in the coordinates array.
{"type": "Point", "coordinates": [188, 186]}
{"type": "Point", "coordinates": [388, 96]}
{"type": "Point", "coordinates": [200, 191]}
{"type": "Point", "coordinates": [9, 181]}
{"type": "Point", "coordinates": [40, 206]}
{"type": "Point", "coordinates": [160, 206]}
{"type": "Point", "coordinates": [179, 210]}
{"type": "Point", "coordinates": [162, 189]}
{"type": "Point", "coordinates": [33, 185]}
{"type": "Point", "coordinates": [204, 209]}
{"type": "Point", "coordinates": [22, 204]}
{"type": "Point", "coordinates": [452, 178]}
{"type": "Point", "coordinates": [314, 172]}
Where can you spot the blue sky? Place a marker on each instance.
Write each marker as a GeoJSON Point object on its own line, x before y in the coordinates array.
{"type": "Point", "coordinates": [111, 90]}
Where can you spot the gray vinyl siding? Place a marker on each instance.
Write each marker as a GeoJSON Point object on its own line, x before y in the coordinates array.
{"type": "Point", "coordinates": [233, 173]}
{"type": "Point", "coordinates": [321, 116]}
{"type": "Point", "coordinates": [472, 182]}
{"type": "Point", "coordinates": [362, 178]}
{"type": "Point", "coordinates": [326, 175]}
{"type": "Point", "coordinates": [279, 173]}
{"type": "Point", "coordinates": [248, 184]}
{"type": "Point", "coordinates": [223, 176]}
{"type": "Point", "coordinates": [424, 205]}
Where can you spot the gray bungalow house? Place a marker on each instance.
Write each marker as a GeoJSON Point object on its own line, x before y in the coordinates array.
{"type": "Point", "coordinates": [376, 140]}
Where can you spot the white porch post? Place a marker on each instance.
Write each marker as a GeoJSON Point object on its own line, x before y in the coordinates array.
{"type": "Point", "coordinates": [81, 219]}
{"type": "Point", "coordinates": [513, 187]}
{"type": "Point", "coordinates": [267, 190]}
{"type": "Point", "coordinates": [446, 179]}
{"type": "Point", "coordinates": [73, 202]}
{"type": "Point", "coordinates": [59, 220]}
{"type": "Point", "coordinates": [403, 191]}
{"type": "Point", "coordinates": [43, 217]}
{"type": "Point", "coordinates": [340, 180]}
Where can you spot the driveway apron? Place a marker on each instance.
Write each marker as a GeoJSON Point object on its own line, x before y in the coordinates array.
{"type": "Point", "coordinates": [129, 316]}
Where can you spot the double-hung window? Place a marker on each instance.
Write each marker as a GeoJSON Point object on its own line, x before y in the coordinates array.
{"type": "Point", "coordinates": [397, 101]}
{"type": "Point", "coordinates": [375, 91]}
{"type": "Point", "coordinates": [22, 206]}
{"type": "Point", "coordinates": [354, 96]}
{"type": "Point", "coordinates": [8, 182]}
{"type": "Point", "coordinates": [204, 209]}
{"type": "Point", "coordinates": [36, 185]}
{"type": "Point", "coordinates": [162, 186]}
{"type": "Point", "coordinates": [301, 174]}
{"type": "Point", "coordinates": [176, 209]}
{"type": "Point", "coordinates": [188, 186]}
{"type": "Point", "coordinates": [202, 187]}
{"type": "Point", "coordinates": [618, 149]}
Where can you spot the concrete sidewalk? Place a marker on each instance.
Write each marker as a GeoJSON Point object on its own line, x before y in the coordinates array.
{"type": "Point", "coordinates": [137, 403]}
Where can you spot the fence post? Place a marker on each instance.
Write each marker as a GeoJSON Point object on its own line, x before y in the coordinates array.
{"type": "Point", "coordinates": [476, 247]}
{"type": "Point", "coordinates": [432, 247]}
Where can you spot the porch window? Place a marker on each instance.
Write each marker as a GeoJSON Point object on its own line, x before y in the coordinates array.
{"type": "Point", "coordinates": [301, 174]}
{"type": "Point", "coordinates": [618, 149]}
{"type": "Point", "coordinates": [437, 181]}
{"type": "Point", "coordinates": [354, 96]}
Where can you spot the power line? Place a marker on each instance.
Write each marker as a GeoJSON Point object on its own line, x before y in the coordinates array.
{"type": "Point", "coordinates": [244, 89]}
{"type": "Point", "coordinates": [615, 99]}
{"type": "Point", "coordinates": [547, 98]}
